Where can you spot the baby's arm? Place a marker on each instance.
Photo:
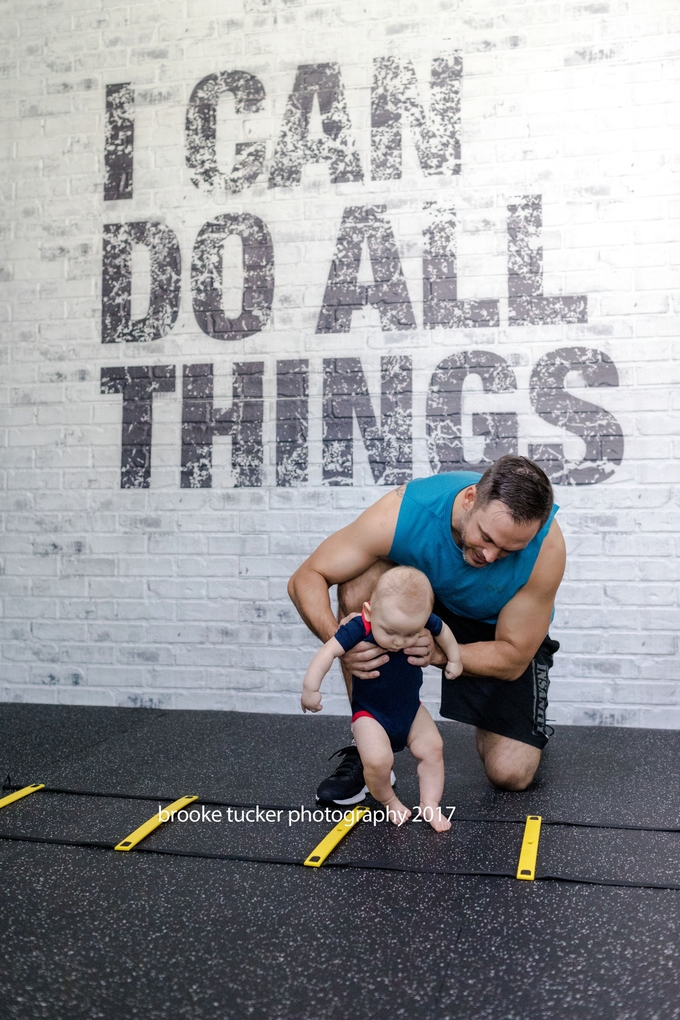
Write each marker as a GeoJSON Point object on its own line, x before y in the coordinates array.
{"type": "Point", "coordinates": [318, 667]}
{"type": "Point", "coordinates": [449, 646]}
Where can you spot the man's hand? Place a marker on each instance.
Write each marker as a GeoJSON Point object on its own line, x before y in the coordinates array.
{"type": "Point", "coordinates": [365, 659]}
{"type": "Point", "coordinates": [423, 652]}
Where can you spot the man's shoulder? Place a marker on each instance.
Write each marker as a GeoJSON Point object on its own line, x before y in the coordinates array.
{"type": "Point", "coordinates": [551, 560]}
{"type": "Point", "coordinates": [445, 481]}
{"type": "Point", "coordinates": [433, 492]}
{"type": "Point", "coordinates": [554, 541]}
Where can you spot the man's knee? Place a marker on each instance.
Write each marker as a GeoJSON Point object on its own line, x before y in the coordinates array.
{"type": "Point", "coordinates": [510, 777]}
{"type": "Point", "coordinates": [349, 598]}
{"type": "Point", "coordinates": [509, 764]}
{"type": "Point", "coordinates": [353, 593]}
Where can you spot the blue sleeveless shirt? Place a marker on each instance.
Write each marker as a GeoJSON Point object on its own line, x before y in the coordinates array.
{"type": "Point", "coordinates": [423, 540]}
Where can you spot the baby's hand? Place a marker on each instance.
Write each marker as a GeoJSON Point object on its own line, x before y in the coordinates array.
{"type": "Point", "coordinates": [453, 669]}
{"type": "Point", "coordinates": [311, 701]}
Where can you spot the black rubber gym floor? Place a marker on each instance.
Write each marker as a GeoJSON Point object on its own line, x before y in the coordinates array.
{"type": "Point", "coordinates": [211, 920]}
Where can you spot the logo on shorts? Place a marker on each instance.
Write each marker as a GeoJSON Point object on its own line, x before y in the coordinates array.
{"type": "Point", "coordinates": [541, 684]}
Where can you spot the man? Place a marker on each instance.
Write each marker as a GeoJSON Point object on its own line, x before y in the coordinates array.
{"type": "Point", "coordinates": [495, 557]}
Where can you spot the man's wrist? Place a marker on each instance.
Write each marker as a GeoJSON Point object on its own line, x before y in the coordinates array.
{"type": "Point", "coordinates": [328, 631]}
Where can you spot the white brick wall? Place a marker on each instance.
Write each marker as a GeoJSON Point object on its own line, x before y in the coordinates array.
{"type": "Point", "coordinates": [175, 597]}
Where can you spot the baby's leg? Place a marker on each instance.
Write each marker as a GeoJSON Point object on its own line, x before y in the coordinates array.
{"type": "Point", "coordinates": [377, 757]}
{"type": "Point", "coordinates": [425, 743]}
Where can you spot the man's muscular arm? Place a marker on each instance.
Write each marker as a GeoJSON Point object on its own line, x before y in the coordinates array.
{"type": "Point", "coordinates": [342, 557]}
{"type": "Point", "coordinates": [523, 622]}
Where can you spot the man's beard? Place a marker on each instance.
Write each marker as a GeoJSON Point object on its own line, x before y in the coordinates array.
{"type": "Point", "coordinates": [468, 551]}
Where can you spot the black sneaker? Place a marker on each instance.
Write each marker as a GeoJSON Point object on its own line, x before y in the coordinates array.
{"type": "Point", "coordinates": [346, 785]}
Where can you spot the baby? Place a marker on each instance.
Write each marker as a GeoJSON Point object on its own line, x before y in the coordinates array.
{"type": "Point", "coordinates": [386, 712]}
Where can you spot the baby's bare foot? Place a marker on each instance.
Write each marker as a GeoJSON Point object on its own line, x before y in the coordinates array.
{"type": "Point", "coordinates": [397, 813]}
{"type": "Point", "coordinates": [433, 814]}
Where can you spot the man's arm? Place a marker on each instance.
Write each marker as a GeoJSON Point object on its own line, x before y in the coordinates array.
{"type": "Point", "coordinates": [523, 623]}
{"type": "Point", "coordinates": [341, 557]}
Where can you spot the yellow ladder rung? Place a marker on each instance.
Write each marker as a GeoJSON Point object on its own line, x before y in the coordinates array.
{"type": "Point", "coordinates": [139, 834]}
{"type": "Point", "coordinates": [329, 842]}
{"type": "Point", "coordinates": [18, 794]}
{"type": "Point", "coordinates": [526, 866]}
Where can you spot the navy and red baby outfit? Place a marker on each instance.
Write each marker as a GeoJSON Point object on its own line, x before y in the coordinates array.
{"type": "Point", "coordinates": [393, 698]}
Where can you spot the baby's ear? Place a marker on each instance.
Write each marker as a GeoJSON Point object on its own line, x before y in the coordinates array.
{"type": "Point", "coordinates": [366, 610]}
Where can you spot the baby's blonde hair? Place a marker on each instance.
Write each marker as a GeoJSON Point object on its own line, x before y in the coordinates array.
{"type": "Point", "coordinates": [409, 588]}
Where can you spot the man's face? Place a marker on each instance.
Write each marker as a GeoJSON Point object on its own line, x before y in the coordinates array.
{"type": "Point", "coordinates": [489, 533]}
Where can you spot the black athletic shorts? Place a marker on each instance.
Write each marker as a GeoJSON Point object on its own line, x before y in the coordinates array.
{"type": "Point", "coordinates": [511, 708]}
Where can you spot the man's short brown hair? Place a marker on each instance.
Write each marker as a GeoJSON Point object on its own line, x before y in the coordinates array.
{"type": "Point", "coordinates": [520, 485]}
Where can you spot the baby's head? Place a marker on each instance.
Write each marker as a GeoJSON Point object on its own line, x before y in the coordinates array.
{"type": "Point", "coordinates": [400, 605]}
